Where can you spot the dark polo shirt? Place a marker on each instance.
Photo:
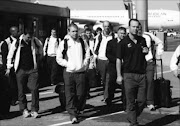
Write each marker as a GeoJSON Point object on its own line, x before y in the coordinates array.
{"type": "Point", "coordinates": [26, 57]}
{"type": "Point", "coordinates": [133, 58]}
{"type": "Point", "coordinates": [111, 50]}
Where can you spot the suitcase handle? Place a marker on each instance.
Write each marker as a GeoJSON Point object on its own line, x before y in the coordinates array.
{"type": "Point", "coordinates": [161, 67]}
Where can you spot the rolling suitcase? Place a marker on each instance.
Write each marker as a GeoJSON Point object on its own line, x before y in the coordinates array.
{"type": "Point", "coordinates": [162, 90]}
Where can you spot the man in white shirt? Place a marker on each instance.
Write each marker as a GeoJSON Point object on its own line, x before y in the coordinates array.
{"type": "Point", "coordinates": [75, 59]}
{"type": "Point", "coordinates": [151, 41]}
{"type": "Point", "coordinates": [175, 59]}
{"type": "Point", "coordinates": [100, 53]}
{"type": "Point", "coordinates": [5, 47]}
{"type": "Point", "coordinates": [49, 49]}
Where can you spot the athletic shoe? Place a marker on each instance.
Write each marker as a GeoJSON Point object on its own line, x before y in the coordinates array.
{"type": "Point", "coordinates": [26, 113]}
{"type": "Point", "coordinates": [151, 107]}
{"type": "Point", "coordinates": [34, 114]}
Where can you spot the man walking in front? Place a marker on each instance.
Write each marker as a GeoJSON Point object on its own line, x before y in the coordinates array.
{"type": "Point", "coordinates": [131, 58]}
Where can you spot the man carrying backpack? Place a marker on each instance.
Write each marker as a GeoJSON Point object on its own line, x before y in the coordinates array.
{"type": "Point", "coordinates": [73, 54]}
{"type": "Point", "coordinates": [100, 53]}
{"type": "Point", "coordinates": [26, 53]}
{"type": "Point", "coordinates": [5, 47]}
{"type": "Point", "coordinates": [49, 49]}
{"type": "Point", "coordinates": [152, 41]}
{"type": "Point", "coordinates": [174, 62]}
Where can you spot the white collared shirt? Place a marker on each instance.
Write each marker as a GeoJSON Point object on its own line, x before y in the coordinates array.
{"type": "Point", "coordinates": [158, 42]}
{"type": "Point", "coordinates": [103, 45]}
{"type": "Point", "coordinates": [174, 59]}
{"type": "Point", "coordinates": [9, 42]}
{"type": "Point", "coordinates": [52, 46]}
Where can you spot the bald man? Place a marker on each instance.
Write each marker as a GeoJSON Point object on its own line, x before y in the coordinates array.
{"type": "Point", "coordinates": [100, 53]}
{"type": "Point", "coordinates": [5, 49]}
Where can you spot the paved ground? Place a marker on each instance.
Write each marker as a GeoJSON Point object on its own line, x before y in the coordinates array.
{"type": "Point", "coordinates": [96, 113]}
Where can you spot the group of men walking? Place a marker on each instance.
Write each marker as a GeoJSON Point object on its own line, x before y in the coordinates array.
{"type": "Point", "coordinates": [124, 59]}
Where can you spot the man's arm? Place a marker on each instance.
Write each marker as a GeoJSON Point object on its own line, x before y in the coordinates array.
{"type": "Point", "coordinates": [109, 50]}
{"type": "Point", "coordinates": [10, 56]}
{"type": "Point", "coordinates": [40, 46]}
{"type": "Point", "coordinates": [45, 46]}
{"type": "Point", "coordinates": [174, 61]}
{"type": "Point", "coordinates": [159, 43]}
{"type": "Point", "coordinates": [59, 55]}
{"type": "Point", "coordinates": [4, 51]}
{"type": "Point", "coordinates": [118, 69]}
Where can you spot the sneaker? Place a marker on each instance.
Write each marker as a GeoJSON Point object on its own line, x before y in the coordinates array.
{"type": "Point", "coordinates": [151, 107]}
{"type": "Point", "coordinates": [34, 114]}
{"type": "Point", "coordinates": [26, 113]}
{"type": "Point", "coordinates": [74, 120]}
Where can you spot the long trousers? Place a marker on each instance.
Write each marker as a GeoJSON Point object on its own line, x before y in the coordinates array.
{"type": "Point", "coordinates": [150, 84]}
{"type": "Point", "coordinates": [111, 82]}
{"type": "Point", "coordinates": [13, 86]}
{"type": "Point", "coordinates": [102, 66]}
{"type": "Point", "coordinates": [28, 78]}
{"type": "Point", "coordinates": [135, 89]}
{"type": "Point", "coordinates": [75, 92]}
{"type": "Point", "coordinates": [54, 70]}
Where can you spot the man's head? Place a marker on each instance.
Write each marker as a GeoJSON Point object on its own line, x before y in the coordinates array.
{"type": "Point", "coordinates": [140, 32]}
{"type": "Point", "coordinates": [73, 31]}
{"type": "Point", "coordinates": [53, 32]}
{"type": "Point", "coordinates": [14, 31]}
{"type": "Point", "coordinates": [88, 32]}
{"type": "Point", "coordinates": [121, 32]}
{"type": "Point", "coordinates": [133, 26]}
{"type": "Point", "coordinates": [86, 26]}
{"type": "Point", "coordinates": [28, 34]}
{"type": "Point", "coordinates": [106, 26]}
{"type": "Point", "coordinates": [98, 30]}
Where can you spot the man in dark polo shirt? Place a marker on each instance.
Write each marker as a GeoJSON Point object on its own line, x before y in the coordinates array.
{"type": "Point", "coordinates": [111, 55]}
{"type": "Point", "coordinates": [131, 57]}
{"type": "Point", "coordinates": [26, 52]}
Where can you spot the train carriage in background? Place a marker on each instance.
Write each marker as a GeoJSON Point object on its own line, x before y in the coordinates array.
{"type": "Point", "coordinates": [41, 18]}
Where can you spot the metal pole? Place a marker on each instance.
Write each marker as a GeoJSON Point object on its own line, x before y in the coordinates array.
{"type": "Point", "coordinates": [142, 13]}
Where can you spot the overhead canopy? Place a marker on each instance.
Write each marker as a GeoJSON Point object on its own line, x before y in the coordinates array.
{"type": "Point", "coordinates": [31, 8]}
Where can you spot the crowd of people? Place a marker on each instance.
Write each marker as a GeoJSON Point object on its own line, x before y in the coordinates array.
{"type": "Point", "coordinates": [117, 58]}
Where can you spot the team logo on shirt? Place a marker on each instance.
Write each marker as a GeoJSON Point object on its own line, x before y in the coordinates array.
{"type": "Point", "coordinates": [129, 45]}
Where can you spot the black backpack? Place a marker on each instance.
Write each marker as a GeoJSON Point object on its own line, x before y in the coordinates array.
{"type": "Point", "coordinates": [66, 47]}
{"type": "Point", "coordinates": [48, 44]}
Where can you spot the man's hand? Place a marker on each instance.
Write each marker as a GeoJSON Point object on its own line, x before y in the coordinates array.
{"type": "Point", "coordinates": [145, 49]}
{"type": "Point", "coordinates": [119, 80]}
{"type": "Point", "coordinates": [7, 72]}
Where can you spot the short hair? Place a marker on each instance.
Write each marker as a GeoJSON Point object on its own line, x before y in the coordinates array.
{"type": "Point", "coordinates": [87, 29]}
{"type": "Point", "coordinates": [28, 31]}
{"type": "Point", "coordinates": [122, 28]}
{"type": "Point", "coordinates": [53, 29]}
{"type": "Point", "coordinates": [98, 29]}
{"type": "Point", "coordinates": [133, 20]}
{"type": "Point", "coordinates": [86, 25]}
{"type": "Point", "coordinates": [72, 25]}
{"type": "Point", "coordinates": [13, 28]}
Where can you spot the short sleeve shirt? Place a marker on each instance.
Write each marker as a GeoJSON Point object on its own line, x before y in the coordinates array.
{"type": "Point", "coordinates": [133, 58]}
